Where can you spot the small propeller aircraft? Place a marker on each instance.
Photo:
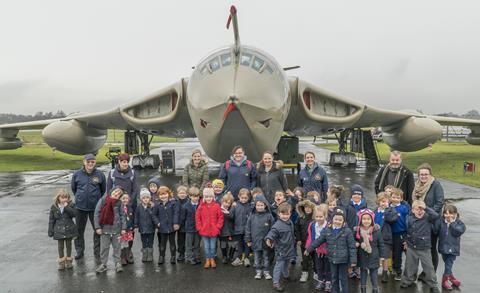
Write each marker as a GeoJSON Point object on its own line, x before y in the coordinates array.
{"type": "Point", "coordinates": [239, 95]}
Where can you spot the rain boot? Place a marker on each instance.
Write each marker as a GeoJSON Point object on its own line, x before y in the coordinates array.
{"type": "Point", "coordinates": [129, 255]}
{"type": "Point", "coordinates": [455, 282]}
{"type": "Point", "coordinates": [445, 284]}
{"type": "Point", "coordinates": [61, 263]}
{"type": "Point", "coordinates": [384, 277]}
{"type": "Point", "coordinates": [68, 262]}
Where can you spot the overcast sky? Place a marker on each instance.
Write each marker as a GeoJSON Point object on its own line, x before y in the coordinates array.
{"type": "Point", "coordinates": [92, 55]}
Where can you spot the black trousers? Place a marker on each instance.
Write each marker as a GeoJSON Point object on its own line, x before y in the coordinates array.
{"type": "Point", "coordinates": [147, 240]}
{"type": "Point", "coordinates": [81, 218]}
{"type": "Point", "coordinates": [397, 252]}
{"type": "Point", "coordinates": [306, 260]}
{"type": "Point", "coordinates": [434, 251]}
{"type": "Point", "coordinates": [181, 242]}
{"type": "Point", "coordinates": [162, 243]}
{"type": "Point", "coordinates": [64, 244]}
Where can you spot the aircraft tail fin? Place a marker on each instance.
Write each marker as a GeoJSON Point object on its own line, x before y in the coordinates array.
{"type": "Point", "coordinates": [232, 18]}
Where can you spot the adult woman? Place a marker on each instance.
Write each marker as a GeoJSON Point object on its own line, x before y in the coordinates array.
{"type": "Point", "coordinates": [270, 177]}
{"type": "Point", "coordinates": [430, 191]}
{"type": "Point", "coordinates": [238, 172]}
{"type": "Point", "coordinates": [313, 177]}
{"type": "Point", "coordinates": [195, 173]}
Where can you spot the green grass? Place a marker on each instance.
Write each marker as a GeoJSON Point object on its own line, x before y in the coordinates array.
{"type": "Point", "coordinates": [446, 159]}
{"type": "Point", "coordinates": [35, 155]}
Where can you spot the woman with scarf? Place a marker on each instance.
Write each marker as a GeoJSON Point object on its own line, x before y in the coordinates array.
{"type": "Point", "coordinates": [238, 172]}
{"type": "Point", "coordinates": [430, 191]}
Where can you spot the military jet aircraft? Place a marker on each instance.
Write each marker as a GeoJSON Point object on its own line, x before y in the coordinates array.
{"type": "Point", "coordinates": [238, 95]}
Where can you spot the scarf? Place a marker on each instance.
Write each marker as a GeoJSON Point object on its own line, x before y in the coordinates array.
{"type": "Point", "coordinates": [106, 213]}
{"type": "Point", "coordinates": [397, 182]}
{"type": "Point", "coordinates": [367, 237]}
{"type": "Point", "coordinates": [420, 190]}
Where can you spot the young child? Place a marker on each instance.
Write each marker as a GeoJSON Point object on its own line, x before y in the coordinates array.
{"type": "Point", "coordinates": [335, 192]}
{"type": "Point", "coordinates": [62, 228]}
{"type": "Point", "coordinates": [322, 265]}
{"type": "Point", "coordinates": [192, 238]}
{"type": "Point", "coordinates": [281, 237]}
{"type": "Point", "coordinates": [153, 184]}
{"type": "Point", "coordinates": [332, 208]}
{"type": "Point", "coordinates": [305, 216]}
{"type": "Point", "coordinates": [227, 243]}
{"type": "Point", "coordinates": [357, 203]}
{"type": "Point", "coordinates": [182, 198]}
{"type": "Point", "coordinates": [278, 199]}
{"type": "Point", "coordinates": [388, 190]}
{"type": "Point", "coordinates": [218, 187]}
{"type": "Point", "coordinates": [110, 223]}
{"type": "Point", "coordinates": [256, 191]}
{"type": "Point", "coordinates": [449, 229]}
{"type": "Point", "coordinates": [126, 240]}
{"type": "Point", "coordinates": [384, 215]}
{"type": "Point", "coordinates": [145, 223]}
{"type": "Point", "coordinates": [341, 250]}
{"type": "Point", "coordinates": [314, 197]}
{"type": "Point", "coordinates": [370, 249]}
{"type": "Point", "coordinates": [418, 245]}
{"type": "Point", "coordinates": [399, 229]}
{"type": "Point", "coordinates": [239, 213]}
{"type": "Point", "coordinates": [299, 194]}
{"type": "Point", "coordinates": [167, 219]}
{"type": "Point", "coordinates": [258, 225]}
{"type": "Point", "coordinates": [209, 222]}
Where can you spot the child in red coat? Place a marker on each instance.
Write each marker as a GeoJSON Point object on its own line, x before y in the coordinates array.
{"type": "Point", "coordinates": [209, 222]}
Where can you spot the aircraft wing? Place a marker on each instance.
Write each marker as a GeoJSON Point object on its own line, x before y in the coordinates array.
{"type": "Point", "coordinates": [161, 113]}
{"type": "Point", "coordinates": [315, 111]}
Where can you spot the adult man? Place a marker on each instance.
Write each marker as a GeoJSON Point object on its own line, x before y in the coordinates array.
{"type": "Point", "coordinates": [397, 175]}
{"type": "Point", "coordinates": [88, 186]}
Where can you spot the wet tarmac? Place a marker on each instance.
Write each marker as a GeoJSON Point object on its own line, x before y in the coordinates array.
{"type": "Point", "coordinates": [28, 256]}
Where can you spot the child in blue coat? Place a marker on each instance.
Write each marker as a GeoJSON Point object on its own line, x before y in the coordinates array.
{"type": "Point", "coordinates": [449, 229]}
{"type": "Point", "coordinates": [145, 223]}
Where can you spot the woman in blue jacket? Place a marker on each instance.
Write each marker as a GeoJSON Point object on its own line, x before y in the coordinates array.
{"type": "Point", "coordinates": [238, 172]}
{"type": "Point", "coordinates": [313, 177]}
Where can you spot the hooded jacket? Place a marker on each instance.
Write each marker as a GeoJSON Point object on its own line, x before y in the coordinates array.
{"type": "Point", "coordinates": [449, 236]}
{"type": "Point", "coordinates": [125, 179]}
{"type": "Point", "coordinates": [283, 237]}
{"type": "Point", "coordinates": [239, 176]}
{"type": "Point", "coordinates": [272, 180]}
{"type": "Point", "coordinates": [258, 225]}
{"type": "Point", "coordinates": [60, 224]}
{"type": "Point", "coordinates": [240, 213]}
{"type": "Point", "coordinates": [303, 220]}
{"type": "Point", "coordinates": [352, 210]}
{"type": "Point", "coordinates": [190, 212]}
{"type": "Point", "coordinates": [154, 196]}
{"type": "Point", "coordinates": [88, 188]}
{"type": "Point", "coordinates": [166, 215]}
{"type": "Point", "coordinates": [209, 219]}
{"type": "Point", "coordinates": [228, 227]}
{"type": "Point", "coordinates": [144, 220]}
{"type": "Point", "coordinates": [195, 175]}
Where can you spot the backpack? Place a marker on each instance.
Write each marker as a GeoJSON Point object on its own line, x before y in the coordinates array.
{"type": "Point", "coordinates": [113, 177]}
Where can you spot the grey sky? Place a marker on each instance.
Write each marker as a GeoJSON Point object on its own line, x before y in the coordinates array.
{"type": "Point", "coordinates": [93, 55]}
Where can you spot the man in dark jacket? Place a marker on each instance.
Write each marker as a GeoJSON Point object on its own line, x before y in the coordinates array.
{"type": "Point", "coordinates": [397, 175]}
{"type": "Point", "coordinates": [88, 186]}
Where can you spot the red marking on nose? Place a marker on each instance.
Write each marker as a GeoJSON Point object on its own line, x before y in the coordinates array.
{"type": "Point", "coordinates": [230, 108]}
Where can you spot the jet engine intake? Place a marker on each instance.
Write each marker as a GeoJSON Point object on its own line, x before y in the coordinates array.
{"type": "Point", "coordinates": [412, 134]}
{"type": "Point", "coordinates": [74, 137]}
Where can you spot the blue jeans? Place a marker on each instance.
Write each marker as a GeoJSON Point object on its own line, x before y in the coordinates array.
{"type": "Point", "coordinates": [448, 259]}
{"type": "Point", "coordinates": [262, 260]}
{"type": "Point", "coordinates": [339, 277]}
{"type": "Point", "coordinates": [280, 270]}
{"type": "Point", "coordinates": [210, 246]}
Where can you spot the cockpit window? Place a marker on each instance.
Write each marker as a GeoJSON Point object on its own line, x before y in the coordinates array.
{"type": "Point", "coordinates": [269, 69]}
{"type": "Point", "coordinates": [257, 63]}
{"type": "Point", "coordinates": [226, 59]}
{"type": "Point", "coordinates": [214, 64]}
{"type": "Point", "coordinates": [245, 59]}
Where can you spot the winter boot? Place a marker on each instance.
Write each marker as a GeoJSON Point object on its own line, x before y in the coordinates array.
{"type": "Point", "coordinates": [445, 282]}
{"type": "Point", "coordinates": [455, 282]}
{"type": "Point", "coordinates": [149, 254]}
{"type": "Point", "coordinates": [68, 262]}
{"type": "Point", "coordinates": [207, 263]}
{"type": "Point", "coordinates": [129, 255]}
{"type": "Point", "coordinates": [173, 260]}
{"type": "Point", "coordinates": [61, 263]}
{"type": "Point", "coordinates": [304, 277]}
{"type": "Point", "coordinates": [213, 264]}
{"type": "Point", "coordinates": [161, 260]}
{"type": "Point", "coordinates": [123, 257]}
{"type": "Point", "coordinates": [384, 276]}
{"type": "Point", "coordinates": [363, 289]}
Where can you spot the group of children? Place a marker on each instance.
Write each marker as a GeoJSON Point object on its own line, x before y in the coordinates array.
{"type": "Point", "coordinates": [336, 240]}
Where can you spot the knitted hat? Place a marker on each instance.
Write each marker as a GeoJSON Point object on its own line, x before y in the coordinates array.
{"type": "Point", "coordinates": [123, 157]}
{"type": "Point", "coordinates": [360, 215]}
{"type": "Point", "coordinates": [339, 212]}
{"type": "Point", "coordinates": [356, 189]}
{"type": "Point", "coordinates": [144, 192]}
{"type": "Point", "coordinates": [218, 183]}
